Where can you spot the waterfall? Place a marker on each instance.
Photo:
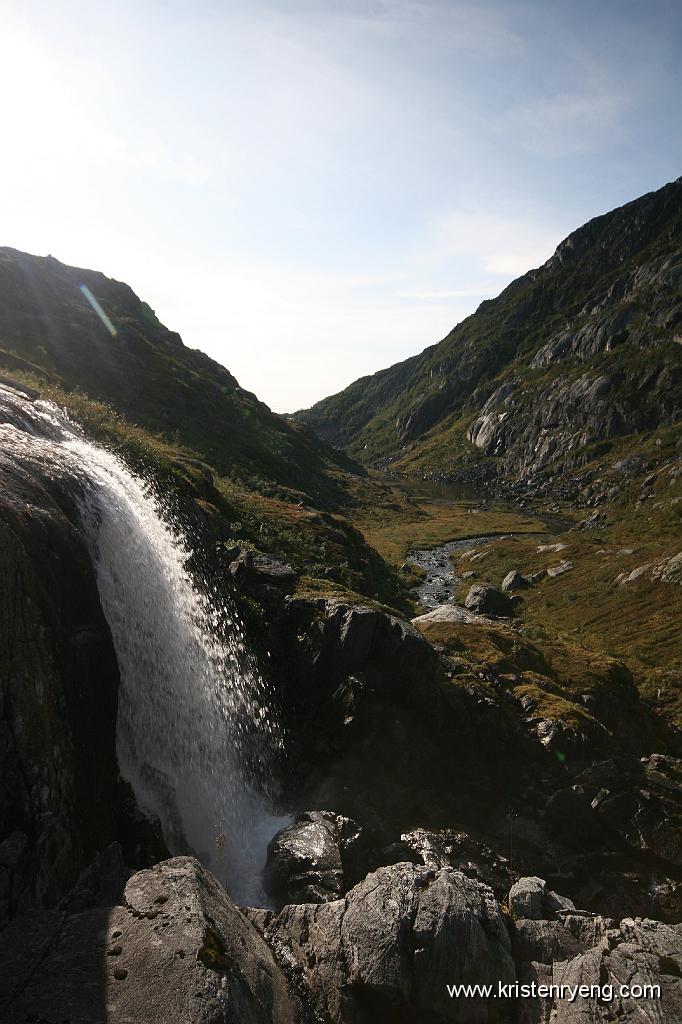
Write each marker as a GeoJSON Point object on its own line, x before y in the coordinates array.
{"type": "Point", "coordinates": [196, 734]}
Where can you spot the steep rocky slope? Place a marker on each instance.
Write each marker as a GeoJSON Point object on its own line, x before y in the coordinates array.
{"type": "Point", "coordinates": [441, 760]}
{"type": "Point", "coordinates": [545, 378]}
{"type": "Point", "coordinates": [49, 329]}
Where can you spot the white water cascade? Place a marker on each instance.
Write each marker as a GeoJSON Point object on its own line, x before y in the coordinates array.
{"type": "Point", "coordinates": [196, 735]}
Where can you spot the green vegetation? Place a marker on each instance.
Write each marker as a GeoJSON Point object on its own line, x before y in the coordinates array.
{"type": "Point", "coordinates": [403, 524]}
{"type": "Point", "coordinates": [635, 622]}
{"type": "Point", "coordinates": [587, 695]}
{"type": "Point", "coordinates": [327, 549]}
{"type": "Point", "coordinates": [252, 478]}
{"type": "Point", "coordinates": [607, 304]}
{"type": "Point", "coordinates": [151, 379]}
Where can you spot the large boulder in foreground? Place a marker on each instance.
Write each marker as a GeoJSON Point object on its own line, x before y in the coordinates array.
{"type": "Point", "coordinates": [178, 951]}
{"type": "Point", "coordinates": [388, 951]}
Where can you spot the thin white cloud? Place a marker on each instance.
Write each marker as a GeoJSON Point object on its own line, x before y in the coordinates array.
{"type": "Point", "coordinates": [487, 245]}
{"type": "Point", "coordinates": [570, 123]}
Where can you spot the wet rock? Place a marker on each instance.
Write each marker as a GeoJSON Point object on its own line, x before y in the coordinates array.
{"type": "Point", "coordinates": [488, 601]}
{"type": "Point", "coordinates": [58, 693]}
{"type": "Point", "coordinates": [454, 849]}
{"type": "Point", "coordinates": [305, 862]}
{"type": "Point", "coordinates": [390, 948]}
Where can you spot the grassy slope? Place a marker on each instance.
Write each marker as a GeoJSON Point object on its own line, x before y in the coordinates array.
{"type": "Point", "coordinates": [263, 472]}
{"type": "Point", "coordinates": [146, 373]}
{"type": "Point", "coordinates": [232, 513]}
{"type": "Point", "coordinates": [636, 622]}
{"type": "Point", "coordinates": [175, 413]}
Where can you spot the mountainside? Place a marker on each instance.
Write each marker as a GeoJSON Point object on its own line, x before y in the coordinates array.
{"type": "Point", "coordinates": [202, 639]}
{"type": "Point", "coordinates": [49, 329]}
{"type": "Point", "coordinates": [545, 378]}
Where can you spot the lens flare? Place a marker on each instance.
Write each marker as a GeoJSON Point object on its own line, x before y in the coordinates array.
{"type": "Point", "coordinates": [98, 309]}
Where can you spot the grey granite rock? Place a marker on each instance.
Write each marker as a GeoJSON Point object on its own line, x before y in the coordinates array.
{"type": "Point", "coordinates": [393, 945]}
{"type": "Point", "coordinates": [178, 951]}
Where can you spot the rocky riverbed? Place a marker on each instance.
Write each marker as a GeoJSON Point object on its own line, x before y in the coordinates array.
{"type": "Point", "coordinates": [441, 579]}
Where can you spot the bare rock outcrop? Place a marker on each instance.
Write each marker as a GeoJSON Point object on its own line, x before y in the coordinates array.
{"type": "Point", "coordinates": [178, 951]}
{"type": "Point", "coordinates": [392, 946]}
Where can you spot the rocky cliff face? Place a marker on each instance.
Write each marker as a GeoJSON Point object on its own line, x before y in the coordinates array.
{"type": "Point", "coordinates": [58, 685]}
{"type": "Point", "coordinates": [582, 351]}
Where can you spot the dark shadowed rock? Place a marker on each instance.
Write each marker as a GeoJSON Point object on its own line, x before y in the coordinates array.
{"type": "Point", "coordinates": [58, 695]}
{"type": "Point", "coordinates": [514, 580]}
{"type": "Point", "coordinates": [311, 860]}
{"type": "Point", "coordinates": [177, 951]}
{"type": "Point", "coordinates": [488, 600]}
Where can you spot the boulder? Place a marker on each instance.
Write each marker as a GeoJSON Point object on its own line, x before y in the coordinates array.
{"type": "Point", "coordinates": [488, 601]}
{"type": "Point", "coordinates": [526, 898]}
{"type": "Point", "coordinates": [390, 948]}
{"type": "Point", "coordinates": [176, 951]}
{"type": "Point", "coordinates": [514, 580]}
{"type": "Point", "coordinates": [447, 613]}
{"type": "Point", "coordinates": [560, 569]}
{"type": "Point", "coordinates": [305, 862]}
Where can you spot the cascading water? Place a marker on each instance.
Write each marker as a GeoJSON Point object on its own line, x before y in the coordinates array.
{"type": "Point", "coordinates": [196, 735]}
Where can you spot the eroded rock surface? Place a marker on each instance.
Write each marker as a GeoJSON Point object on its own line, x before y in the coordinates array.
{"type": "Point", "coordinates": [388, 950]}
{"type": "Point", "coordinates": [177, 951]}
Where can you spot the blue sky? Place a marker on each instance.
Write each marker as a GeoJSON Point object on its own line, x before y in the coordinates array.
{"type": "Point", "coordinates": [310, 191]}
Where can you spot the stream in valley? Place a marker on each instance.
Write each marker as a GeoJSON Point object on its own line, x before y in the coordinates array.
{"type": "Point", "coordinates": [441, 580]}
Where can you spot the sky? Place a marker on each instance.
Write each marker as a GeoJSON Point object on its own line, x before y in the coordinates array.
{"type": "Point", "coordinates": [311, 190]}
